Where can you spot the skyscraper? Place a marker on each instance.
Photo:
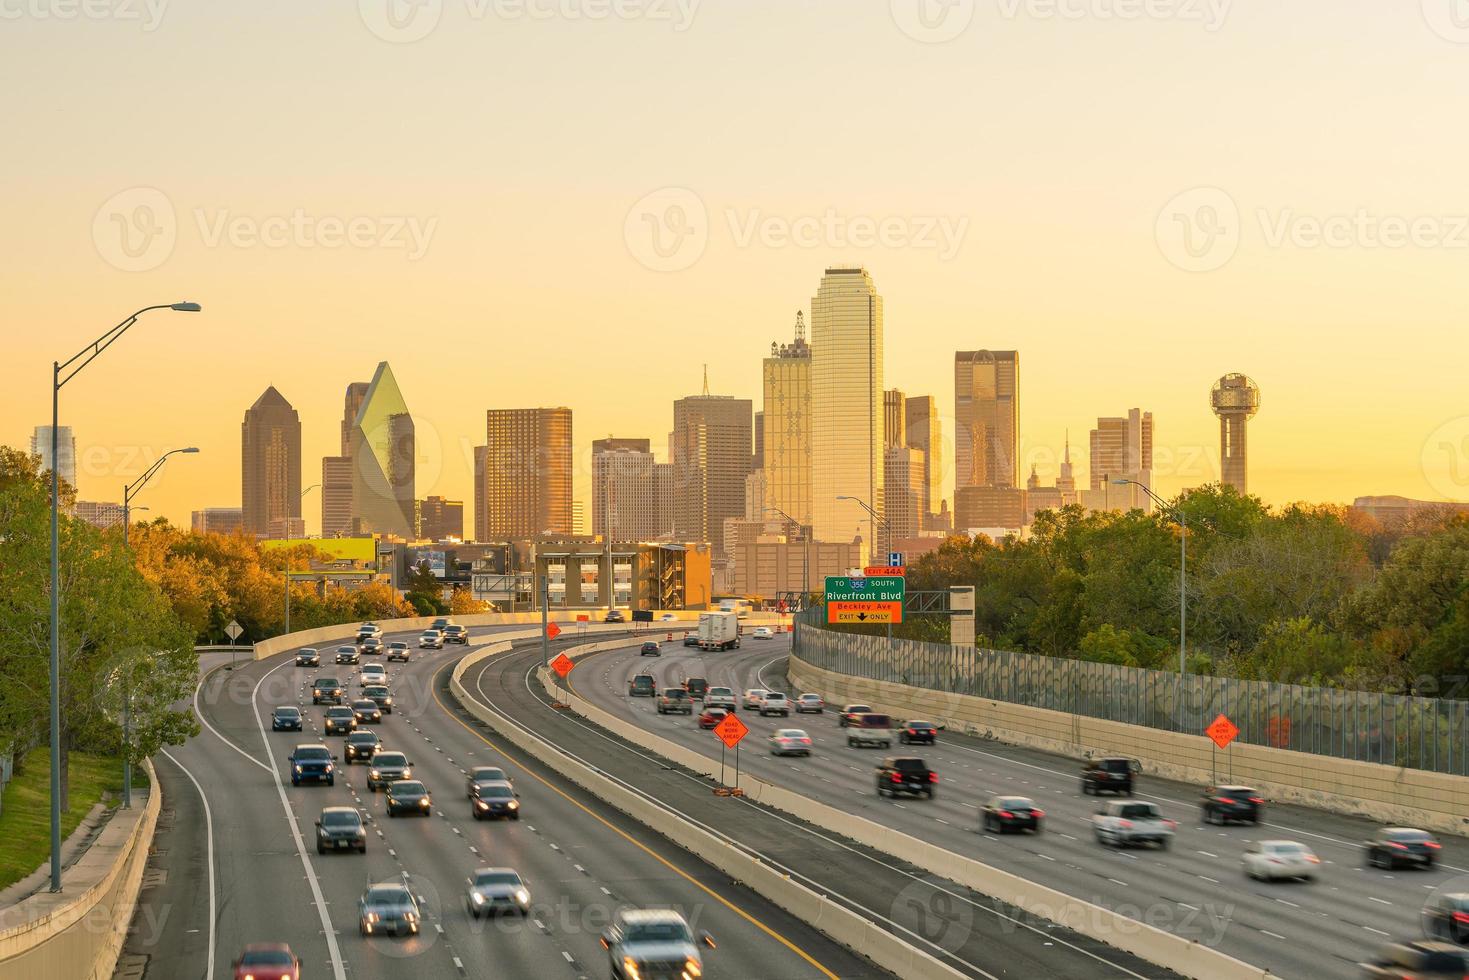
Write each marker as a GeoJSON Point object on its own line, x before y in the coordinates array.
{"type": "Point", "coordinates": [270, 464]}
{"type": "Point", "coordinates": [905, 493]}
{"type": "Point", "coordinates": [1235, 399]}
{"type": "Point", "coordinates": [786, 421]}
{"type": "Point", "coordinates": [383, 452]}
{"type": "Point", "coordinates": [894, 419]}
{"type": "Point", "coordinates": [525, 474]}
{"type": "Point", "coordinates": [757, 461]}
{"type": "Point", "coordinates": [846, 405]}
{"type": "Point", "coordinates": [986, 437]}
{"type": "Point", "coordinates": [440, 519]}
{"type": "Point", "coordinates": [711, 457]}
{"type": "Point", "coordinates": [624, 495]}
{"type": "Point", "coordinates": [66, 452]}
{"type": "Point", "coordinates": [923, 433]}
{"type": "Point", "coordinates": [1122, 449]}
{"type": "Point", "coordinates": [336, 471]}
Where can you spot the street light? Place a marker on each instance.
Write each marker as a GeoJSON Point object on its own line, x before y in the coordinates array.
{"type": "Point", "coordinates": [886, 527]}
{"type": "Point", "coordinates": [805, 554]}
{"type": "Point", "coordinates": [1182, 589]}
{"type": "Point", "coordinates": [61, 373]}
{"type": "Point", "coordinates": [133, 489]}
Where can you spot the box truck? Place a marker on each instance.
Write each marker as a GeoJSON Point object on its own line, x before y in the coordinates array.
{"type": "Point", "coordinates": [719, 631]}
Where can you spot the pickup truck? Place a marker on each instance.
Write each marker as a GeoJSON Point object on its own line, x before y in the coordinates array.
{"type": "Point", "coordinates": [905, 774]}
{"type": "Point", "coordinates": [1122, 823]}
{"type": "Point", "coordinates": [720, 697]}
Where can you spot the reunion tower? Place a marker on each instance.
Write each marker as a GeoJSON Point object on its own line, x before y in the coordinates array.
{"type": "Point", "coordinates": [1235, 400]}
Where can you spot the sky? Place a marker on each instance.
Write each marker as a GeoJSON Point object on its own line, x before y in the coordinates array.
{"type": "Point", "coordinates": [583, 202]}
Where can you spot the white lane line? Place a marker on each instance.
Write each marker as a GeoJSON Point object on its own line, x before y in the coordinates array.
{"type": "Point", "coordinates": [209, 838]}
{"type": "Point", "coordinates": [1272, 935]}
{"type": "Point", "coordinates": [1284, 902]}
{"type": "Point", "coordinates": [219, 735]}
{"type": "Point", "coordinates": [1206, 854]}
{"type": "Point", "coordinates": [1378, 931]}
{"type": "Point", "coordinates": [1118, 881]}
{"type": "Point", "coordinates": [1379, 901]}
{"type": "Point", "coordinates": [1207, 878]}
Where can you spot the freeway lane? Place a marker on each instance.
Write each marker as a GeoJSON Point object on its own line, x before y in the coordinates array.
{"type": "Point", "coordinates": [580, 859]}
{"type": "Point", "coordinates": [976, 935]}
{"type": "Point", "coordinates": [1195, 888]}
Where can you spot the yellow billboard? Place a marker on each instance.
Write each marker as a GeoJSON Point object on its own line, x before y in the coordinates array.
{"type": "Point", "coordinates": [342, 549]}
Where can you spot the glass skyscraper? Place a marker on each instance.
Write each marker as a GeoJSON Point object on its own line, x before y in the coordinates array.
{"type": "Point", "coordinates": [383, 454]}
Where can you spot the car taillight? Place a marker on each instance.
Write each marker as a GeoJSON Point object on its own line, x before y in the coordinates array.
{"type": "Point", "coordinates": [1433, 844]}
{"type": "Point", "coordinates": [1037, 813]}
{"type": "Point", "coordinates": [1170, 824]}
{"type": "Point", "coordinates": [933, 777]}
{"type": "Point", "coordinates": [805, 741]}
{"type": "Point", "coordinates": [1395, 844]}
{"type": "Point", "coordinates": [1125, 824]}
{"type": "Point", "coordinates": [1225, 799]}
{"type": "Point", "coordinates": [912, 732]}
{"type": "Point", "coordinates": [1006, 814]}
{"type": "Point", "coordinates": [897, 777]}
{"type": "Point", "coordinates": [1256, 800]}
{"type": "Point", "coordinates": [1461, 916]}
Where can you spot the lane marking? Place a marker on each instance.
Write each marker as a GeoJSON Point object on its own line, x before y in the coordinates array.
{"type": "Point", "coordinates": [209, 854]}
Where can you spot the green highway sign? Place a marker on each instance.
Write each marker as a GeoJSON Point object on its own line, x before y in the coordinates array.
{"type": "Point", "coordinates": [878, 588]}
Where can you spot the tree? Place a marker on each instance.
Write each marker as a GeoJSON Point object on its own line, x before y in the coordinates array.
{"type": "Point", "coordinates": [463, 603]}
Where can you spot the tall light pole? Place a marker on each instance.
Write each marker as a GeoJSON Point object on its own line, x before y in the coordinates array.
{"type": "Point", "coordinates": [1178, 516]}
{"type": "Point", "coordinates": [887, 528]}
{"type": "Point", "coordinates": [61, 373]}
{"type": "Point", "coordinates": [805, 554]}
{"type": "Point", "coordinates": [287, 630]}
{"type": "Point", "coordinates": [128, 492]}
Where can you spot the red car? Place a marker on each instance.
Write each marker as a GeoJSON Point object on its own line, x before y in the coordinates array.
{"type": "Point", "coordinates": [710, 717]}
{"type": "Point", "coordinates": [267, 961]}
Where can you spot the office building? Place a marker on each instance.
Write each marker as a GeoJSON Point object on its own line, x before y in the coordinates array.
{"type": "Point", "coordinates": [905, 492]}
{"type": "Point", "coordinates": [285, 529]}
{"type": "Point", "coordinates": [440, 519]}
{"type": "Point", "coordinates": [626, 574]}
{"type": "Point", "coordinates": [757, 461]}
{"type": "Point", "coordinates": [383, 451]}
{"type": "Point", "coordinates": [772, 565]}
{"type": "Point", "coordinates": [270, 465]}
{"type": "Point", "coordinates": [612, 444]}
{"type": "Point", "coordinates": [624, 495]}
{"type": "Point", "coordinates": [711, 457]}
{"type": "Point", "coordinates": [894, 419]}
{"type": "Point", "coordinates": [217, 520]}
{"type": "Point", "coordinates": [1122, 449]}
{"type": "Point", "coordinates": [989, 508]}
{"type": "Point", "coordinates": [922, 414]}
{"type": "Point", "coordinates": [336, 496]}
{"type": "Point", "coordinates": [1235, 399]}
{"type": "Point", "coordinates": [97, 514]}
{"type": "Point", "coordinates": [66, 452]}
{"type": "Point", "coordinates": [986, 419]}
{"type": "Point", "coordinates": [846, 405]}
{"type": "Point", "coordinates": [786, 422]}
{"type": "Point", "coordinates": [524, 477]}
{"type": "Point", "coordinates": [665, 496]}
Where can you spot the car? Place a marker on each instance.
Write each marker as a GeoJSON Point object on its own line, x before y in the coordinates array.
{"type": "Point", "coordinates": [340, 720]}
{"type": "Point", "coordinates": [1418, 960]}
{"type": "Point", "coordinates": [387, 907]}
{"type": "Point", "coordinates": [642, 686]}
{"type": "Point", "coordinates": [762, 633]}
{"type": "Point", "coordinates": [1270, 860]}
{"type": "Point", "coordinates": [366, 712]}
{"type": "Point", "coordinates": [710, 717]}
{"type": "Point", "coordinates": [286, 718]}
{"type": "Point", "coordinates": [371, 645]}
{"type": "Point", "coordinates": [870, 728]}
{"type": "Point", "coordinates": [668, 618]}
{"type": "Point", "coordinates": [775, 703]}
{"type": "Point", "coordinates": [491, 800]}
{"type": "Point", "coordinates": [408, 796]}
{"type": "Point", "coordinates": [484, 774]}
{"type": "Point", "coordinates": [1406, 846]}
{"type": "Point", "coordinates": [1446, 916]}
{"type": "Point", "coordinates": [1221, 804]}
{"type": "Point", "coordinates": [1003, 814]}
{"type": "Point", "coordinates": [454, 633]}
{"type": "Point", "coordinates": [789, 741]}
{"type": "Point", "coordinates": [361, 747]}
{"type": "Point", "coordinates": [916, 732]}
{"type": "Point", "coordinates": [267, 961]}
{"type": "Point", "coordinates": [653, 942]}
{"type": "Point", "coordinates": [905, 774]}
{"type": "Point", "coordinates": [691, 639]}
{"type": "Point", "coordinates": [308, 657]}
{"type": "Point", "coordinates": [348, 655]}
{"type": "Point", "coordinates": [851, 711]}
{"type": "Point", "coordinates": [326, 690]}
{"type": "Point", "coordinates": [613, 616]}
{"type": "Point", "coordinates": [753, 698]}
{"type": "Point", "coordinates": [431, 640]}
{"type": "Point", "coordinates": [387, 768]}
{"type": "Point", "coordinates": [380, 694]}
{"type": "Point", "coordinates": [650, 649]}
{"type": "Point", "coordinates": [675, 701]}
{"type": "Point", "coordinates": [810, 704]}
{"type": "Point", "coordinates": [340, 828]}
{"type": "Point", "coordinates": [1122, 824]}
{"type": "Point", "coordinates": [1112, 774]}
{"type": "Point", "coordinates": [398, 650]}
{"type": "Point", "coordinates": [720, 697]}
{"type": "Point", "coordinates": [440, 624]}
{"type": "Point", "coordinates": [495, 890]}
{"type": "Point", "coordinates": [313, 763]}
{"type": "Point", "coordinates": [372, 674]}
{"type": "Point", "coordinates": [368, 629]}
{"type": "Point", "coordinates": [697, 687]}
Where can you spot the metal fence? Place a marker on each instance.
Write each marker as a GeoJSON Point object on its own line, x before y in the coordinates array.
{"type": "Point", "coordinates": [1397, 730]}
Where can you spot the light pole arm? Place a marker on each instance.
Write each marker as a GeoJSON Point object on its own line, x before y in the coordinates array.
{"type": "Point", "coordinates": [99, 345]}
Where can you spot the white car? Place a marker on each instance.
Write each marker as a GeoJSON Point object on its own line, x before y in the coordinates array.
{"type": "Point", "coordinates": [775, 703]}
{"type": "Point", "coordinates": [431, 640]}
{"type": "Point", "coordinates": [762, 633]}
{"type": "Point", "coordinates": [372, 674]}
{"type": "Point", "coordinates": [1273, 859]}
{"type": "Point", "coordinates": [789, 741]}
{"type": "Point", "coordinates": [810, 703]}
{"type": "Point", "coordinates": [755, 697]}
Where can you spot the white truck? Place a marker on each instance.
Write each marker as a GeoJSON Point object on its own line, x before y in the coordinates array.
{"type": "Point", "coordinates": [1122, 823]}
{"type": "Point", "coordinates": [719, 631]}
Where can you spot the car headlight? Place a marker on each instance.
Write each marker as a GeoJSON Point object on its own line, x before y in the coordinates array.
{"type": "Point", "coordinates": [481, 804]}
{"type": "Point", "coordinates": [423, 801]}
{"type": "Point", "coordinates": [372, 917]}
{"type": "Point", "coordinates": [522, 896]}
{"type": "Point", "coordinates": [630, 966]}
{"type": "Point", "coordinates": [407, 773]}
{"type": "Point", "coordinates": [298, 768]}
{"type": "Point", "coordinates": [374, 773]}
{"type": "Point", "coordinates": [691, 969]}
{"type": "Point", "coordinates": [478, 898]}
{"type": "Point", "coordinates": [514, 805]}
{"type": "Point", "coordinates": [410, 916]}
{"type": "Point", "coordinates": [329, 767]}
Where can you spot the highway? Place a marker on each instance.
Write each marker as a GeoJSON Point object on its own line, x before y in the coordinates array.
{"type": "Point", "coordinates": [227, 794]}
{"type": "Point", "coordinates": [1196, 888]}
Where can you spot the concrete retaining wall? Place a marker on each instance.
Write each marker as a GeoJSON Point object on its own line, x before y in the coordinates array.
{"type": "Point", "coordinates": [1387, 794]}
{"type": "Point", "coordinates": [79, 932]}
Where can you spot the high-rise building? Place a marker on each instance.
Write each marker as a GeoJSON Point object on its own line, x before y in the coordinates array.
{"type": "Point", "coordinates": [924, 433]}
{"type": "Point", "coordinates": [786, 422]}
{"type": "Point", "coordinates": [440, 519]}
{"type": "Point", "coordinates": [612, 444]}
{"type": "Point", "coordinates": [986, 419]}
{"type": "Point", "coordinates": [219, 520]}
{"type": "Point", "coordinates": [711, 457]}
{"type": "Point", "coordinates": [525, 474]}
{"type": "Point", "coordinates": [98, 514]}
{"type": "Point", "coordinates": [270, 464]}
{"type": "Point", "coordinates": [1235, 399]}
{"type": "Point", "coordinates": [757, 461]}
{"type": "Point", "coordinates": [665, 496]}
{"type": "Point", "coordinates": [1061, 494]}
{"type": "Point", "coordinates": [989, 508]}
{"type": "Point", "coordinates": [383, 450]}
{"type": "Point", "coordinates": [846, 405]}
{"type": "Point", "coordinates": [1122, 449]}
{"type": "Point", "coordinates": [66, 452]}
{"type": "Point", "coordinates": [356, 394]}
{"type": "Point", "coordinates": [905, 493]}
{"type": "Point", "coordinates": [336, 496]}
{"type": "Point", "coordinates": [894, 419]}
{"type": "Point", "coordinates": [624, 495]}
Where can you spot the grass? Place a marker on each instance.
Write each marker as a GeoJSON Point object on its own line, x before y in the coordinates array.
{"type": "Point", "coordinates": [25, 816]}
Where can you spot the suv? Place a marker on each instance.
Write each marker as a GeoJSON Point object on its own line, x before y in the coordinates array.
{"type": "Point", "coordinates": [387, 767]}
{"type": "Point", "coordinates": [642, 686]}
{"type": "Point", "coordinates": [312, 763]}
{"type": "Point", "coordinates": [652, 943]}
{"type": "Point", "coordinates": [1110, 775]}
{"type": "Point", "coordinates": [308, 657]}
{"type": "Point", "coordinates": [650, 649]}
{"type": "Point", "coordinates": [775, 703]}
{"type": "Point", "coordinates": [675, 701]}
{"type": "Point", "coordinates": [339, 828]}
{"type": "Point", "coordinates": [454, 633]}
{"type": "Point", "coordinates": [697, 687]}
{"type": "Point", "coordinates": [720, 697]}
{"type": "Point", "coordinates": [398, 650]}
{"type": "Point", "coordinates": [1222, 804]}
{"type": "Point", "coordinates": [869, 728]}
{"type": "Point", "coordinates": [368, 629]}
{"type": "Point", "coordinates": [326, 690]}
{"type": "Point", "coordinates": [431, 640]}
{"type": "Point", "coordinates": [905, 774]}
{"type": "Point", "coordinates": [379, 693]}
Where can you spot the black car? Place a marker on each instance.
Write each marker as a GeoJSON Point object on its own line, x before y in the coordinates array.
{"type": "Point", "coordinates": [366, 712]}
{"type": "Point", "coordinates": [1418, 960]}
{"type": "Point", "coordinates": [340, 721]}
{"type": "Point", "coordinates": [326, 690]}
{"type": "Point", "coordinates": [1110, 775]}
{"type": "Point", "coordinates": [697, 687]}
{"type": "Point", "coordinates": [919, 733]}
{"type": "Point", "coordinates": [905, 774]}
{"type": "Point", "coordinates": [650, 649]}
{"type": "Point", "coordinates": [361, 747]}
{"type": "Point", "coordinates": [340, 828]}
{"type": "Point", "coordinates": [312, 764]}
{"type": "Point", "coordinates": [1446, 916]}
{"type": "Point", "coordinates": [379, 694]}
{"type": "Point", "coordinates": [691, 639]}
{"type": "Point", "coordinates": [484, 774]}
{"type": "Point", "coordinates": [454, 633]}
{"type": "Point", "coordinates": [1221, 804]}
{"type": "Point", "coordinates": [371, 644]}
{"type": "Point", "coordinates": [386, 768]}
{"type": "Point", "coordinates": [347, 655]}
{"type": "Point", "coordinates": [642, 686]}
{"type": "Point", "coordinates": [613, 616]}
{"type": "Point", "coordinates": [388, 907]}
{"type": "Point", "coordinates": [408, 796]}
{"type": "Point", "coordinates": [1394, 846]}
{"type": "Point", "coordinates": [441, 624]}
{"type": "Point", "coordinates": [308, 657]}
{"type": "Point", "coordinates": [286, 718]}
{"type": "Point", "coordinates": [491, 800]}
{"type": "Point", "coordinates": [1005, 813]}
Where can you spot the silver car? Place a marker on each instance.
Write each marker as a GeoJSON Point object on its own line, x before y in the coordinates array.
{"type": "Point", "coordinates": [495, 890]}
{"type": "Point", "coordinates": [653, 943]}
{"type": "Point", "coordinates": [388, 907]}
{"type": "Point", "coordinates": [790, 741]}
